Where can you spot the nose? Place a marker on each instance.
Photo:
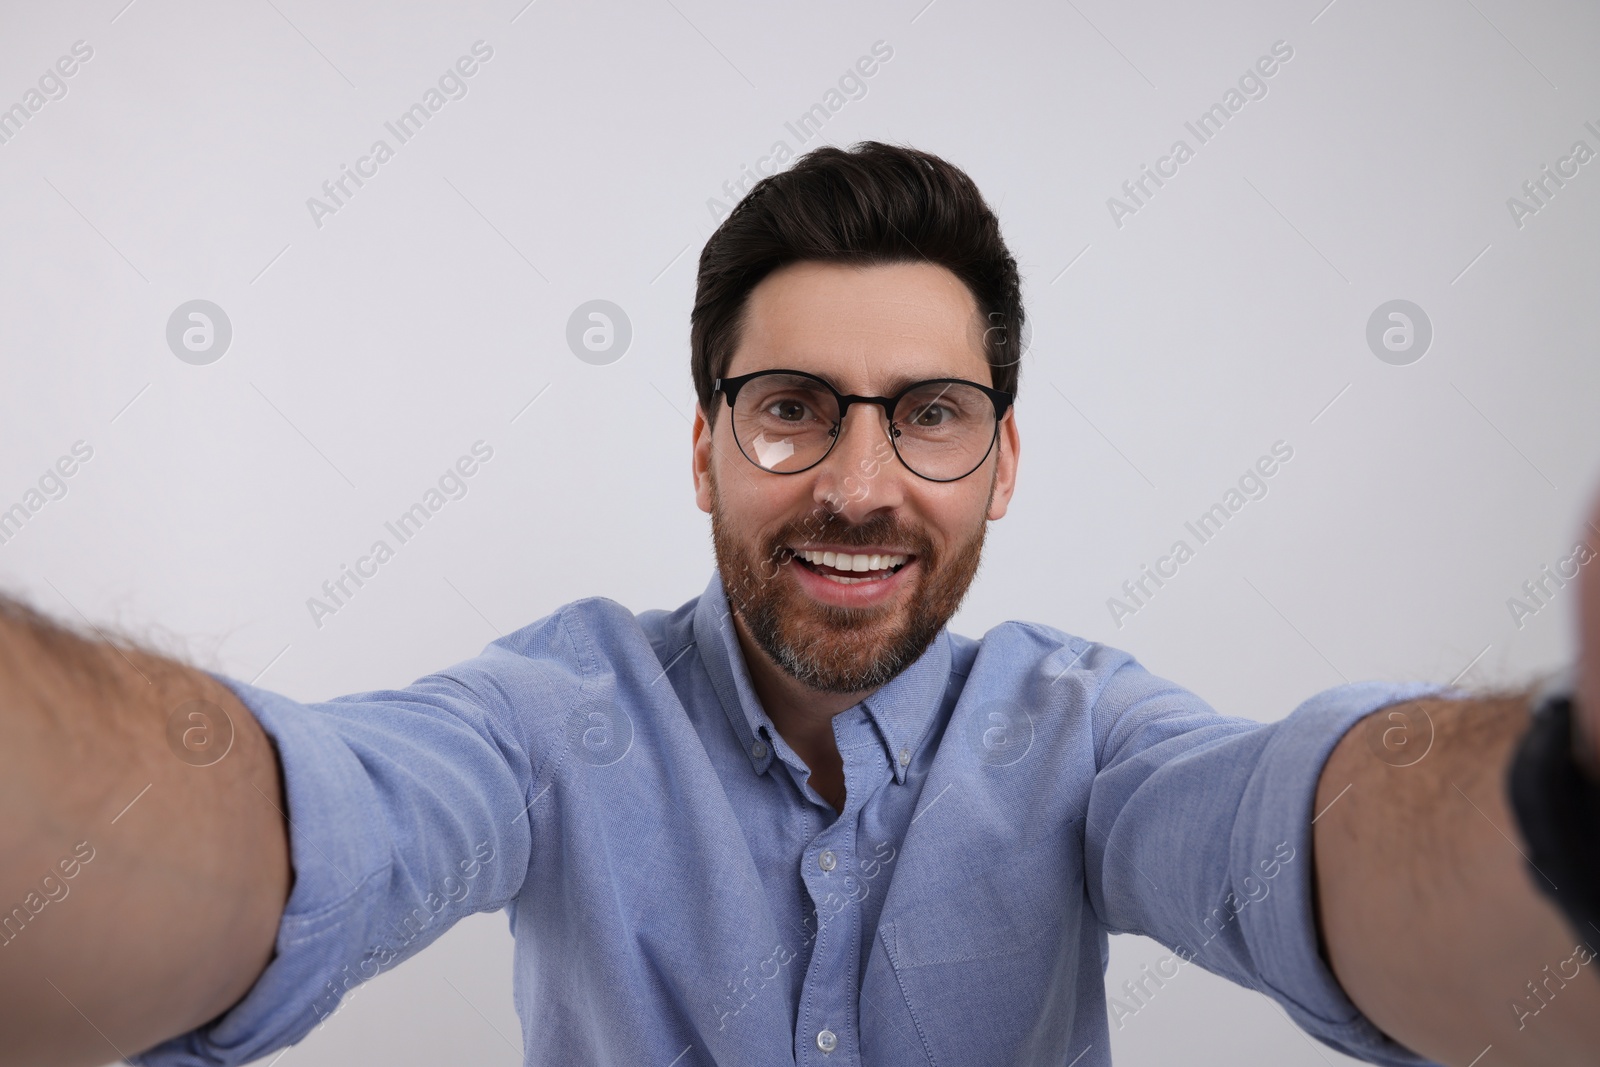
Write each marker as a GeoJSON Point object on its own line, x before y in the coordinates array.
{"type": "Point", "coordinates": [861, 474]}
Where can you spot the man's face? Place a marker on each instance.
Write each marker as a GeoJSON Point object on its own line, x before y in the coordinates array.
{"type": "Point", "coordinates": [868, 331]}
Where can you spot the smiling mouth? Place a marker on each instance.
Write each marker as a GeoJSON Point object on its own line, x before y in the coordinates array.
{"type": "Point", "coordinates": [851, 568]}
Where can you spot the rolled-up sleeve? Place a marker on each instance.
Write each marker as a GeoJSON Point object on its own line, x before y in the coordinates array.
{"type": "Point", "coordinates": [406, 810]}
{"type": "Point", "coordinates": [1199, 836]}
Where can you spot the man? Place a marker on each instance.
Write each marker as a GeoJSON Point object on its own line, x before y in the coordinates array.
{"type": "Point", "coordinates": [795, 820]}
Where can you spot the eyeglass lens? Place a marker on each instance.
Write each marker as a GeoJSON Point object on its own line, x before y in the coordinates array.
{"type": "Point", "coordinates": [786, 422]}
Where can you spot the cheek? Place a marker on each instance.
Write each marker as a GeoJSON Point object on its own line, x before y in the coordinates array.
{"type": "Point", "coordinates": [751, 500]}
{"type": "Point", "coordinates": [951, 516]}
{"type": "Point", "coordinates": [959, 507]}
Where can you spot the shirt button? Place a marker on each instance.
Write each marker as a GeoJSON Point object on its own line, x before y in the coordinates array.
{"type": "Point", "coordinates": [827, 1040]}
{"type": "Point", "coordinates": [827, 861]}
{"type": "Point", "coordinates": [905, 757]}
{"type": "Point", "coordinates": [759, 749]}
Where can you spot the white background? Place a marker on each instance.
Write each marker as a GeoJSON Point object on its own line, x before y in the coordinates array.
{"type": "Point", "coordinates": [1168, 353]}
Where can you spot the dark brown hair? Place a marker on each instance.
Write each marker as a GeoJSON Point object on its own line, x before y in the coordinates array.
{"type": "Point", "coordinates": [875, 203]}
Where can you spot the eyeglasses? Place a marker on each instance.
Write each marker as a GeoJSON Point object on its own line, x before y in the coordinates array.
{"type": "Point", "coordinates": [787, 421]}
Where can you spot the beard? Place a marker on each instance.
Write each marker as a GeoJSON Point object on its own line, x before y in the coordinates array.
{"type": "Point", "coordinates": [829, 648]}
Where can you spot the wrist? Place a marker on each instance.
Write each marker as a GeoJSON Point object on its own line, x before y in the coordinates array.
{"type": "Point", "coordinates": [1554, 794]}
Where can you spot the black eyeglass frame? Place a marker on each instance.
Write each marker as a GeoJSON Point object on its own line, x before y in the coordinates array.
{"type": "Point", "coordinates": [1002, 400]}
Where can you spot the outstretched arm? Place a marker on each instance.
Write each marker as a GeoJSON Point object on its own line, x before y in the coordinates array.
{"type": "Point", "coordinates": [1431, 918]}
{"type": "Point", "coordinates": [142, 878]}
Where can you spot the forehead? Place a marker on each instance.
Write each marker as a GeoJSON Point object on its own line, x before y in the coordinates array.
{"type": "Point", "coordinates": [867, 329]}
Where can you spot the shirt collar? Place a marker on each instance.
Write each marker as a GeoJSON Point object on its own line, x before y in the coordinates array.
{"type": "Point", "coordinates": [902, 711]}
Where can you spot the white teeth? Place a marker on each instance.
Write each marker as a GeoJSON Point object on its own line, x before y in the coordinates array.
{"type": "Point", "coordinates": [845, 561]}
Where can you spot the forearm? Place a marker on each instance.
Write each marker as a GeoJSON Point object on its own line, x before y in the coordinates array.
{"type": "Point", "coordinates": [173, 914]}
{"type": "Point", "coordinates": [1431, 920]}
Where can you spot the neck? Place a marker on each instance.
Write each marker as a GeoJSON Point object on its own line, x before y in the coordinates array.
{"type": "Point", "coordinates": [789, 702]}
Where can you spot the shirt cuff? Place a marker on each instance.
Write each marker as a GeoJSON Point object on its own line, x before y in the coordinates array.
{"type": "Point", "coordinates": [1276, 808]}
{"type": "Point", "coordinates": [336, 874]}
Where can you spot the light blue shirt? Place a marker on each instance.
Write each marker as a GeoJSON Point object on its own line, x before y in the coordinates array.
{"type": "Point", "coordinates": [680, 895]}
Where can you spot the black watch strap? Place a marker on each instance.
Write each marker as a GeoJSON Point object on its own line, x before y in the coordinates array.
{"type": "Point", "coordinates": [1557, 807]}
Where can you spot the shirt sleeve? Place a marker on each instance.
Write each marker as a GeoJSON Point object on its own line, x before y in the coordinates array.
{"type": "Point", "coordinates": [1199, 836]}
{"type": "Point", "coordinates": [407, 812]}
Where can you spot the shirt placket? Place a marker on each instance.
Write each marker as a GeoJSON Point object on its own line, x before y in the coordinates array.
{"type": "Point", "coordinates": [827, 1022]}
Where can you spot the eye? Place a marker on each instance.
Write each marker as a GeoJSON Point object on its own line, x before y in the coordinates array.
{"type": "Point", "coordinates": [788, 410]}
{"type": "Point", "coordinates": [931, 415]}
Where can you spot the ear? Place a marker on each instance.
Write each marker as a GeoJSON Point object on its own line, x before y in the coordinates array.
{"type": "Point", "coordinates": [1005, 478]}
{"type": "Point", "coordinates": [701, 460]}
